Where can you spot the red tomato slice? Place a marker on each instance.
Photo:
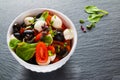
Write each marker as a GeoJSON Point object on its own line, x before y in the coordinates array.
{"type": "Point", "coordinates": [41, 53]}
{"type": "Point", "coordinates": [51, 48]}
{"type": "Point", "coordinates": [37, 38]}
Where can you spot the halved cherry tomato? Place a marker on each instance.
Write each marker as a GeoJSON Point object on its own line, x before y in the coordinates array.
{"type": "Point", "coordinates": [48, 19]}
{"type": "Point", "coordinates": [37, 37]}
{"type": "Point", "coordinates": [51, 48]}
{"type": "Point", "coordinates": [41, 53]}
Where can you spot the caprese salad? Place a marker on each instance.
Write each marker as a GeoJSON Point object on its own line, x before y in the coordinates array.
{"type": "Point", "coordinates": [42, 39]}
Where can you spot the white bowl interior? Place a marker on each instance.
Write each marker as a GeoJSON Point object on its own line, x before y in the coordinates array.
{"type": "Point", "coordinates": [49, 67]}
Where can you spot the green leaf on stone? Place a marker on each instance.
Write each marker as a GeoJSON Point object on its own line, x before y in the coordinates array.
{"type": "Point", "coordinates": [82, 21]}
{"type": "Point", "coordinates": [93, 9]}
{"type": "Point", "coordinates": [89, 27]}
{"type": "Point", "coordinates": [95, 17]}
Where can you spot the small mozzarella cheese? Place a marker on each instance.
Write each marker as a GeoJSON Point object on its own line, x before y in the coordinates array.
{"type": "Point", "coordinates": [12, 37]}
{"type": "Point", "coordinates": [29, 20]}
{"type": "Point", "coordinates": [57, 22]}
{"type": "Point", "coordinates": [68, 34]}
{"type": "Point", "coordinates": [52, 57]}
{"type": "Point", "coordinates": [38, 25]}
{"type": "Point", "coordinates": [46, 63]}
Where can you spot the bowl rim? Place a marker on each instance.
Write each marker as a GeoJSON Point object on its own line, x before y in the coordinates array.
{"type": "Point", "coordinates": [49, 65]}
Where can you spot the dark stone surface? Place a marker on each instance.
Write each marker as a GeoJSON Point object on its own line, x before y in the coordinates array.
{"type": "Point", "coordinates": [97, 56]}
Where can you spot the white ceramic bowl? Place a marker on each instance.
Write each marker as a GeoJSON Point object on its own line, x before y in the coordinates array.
{"type": "Point", "coordinates": [50, 67]}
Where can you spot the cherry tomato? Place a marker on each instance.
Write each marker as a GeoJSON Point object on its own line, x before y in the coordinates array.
{"type": "Point", "coordinates": [38, 37]}
{"type": "Point", "coordinates": [51, 48]}
{"type": "Point", "coordinates": [41, 53]}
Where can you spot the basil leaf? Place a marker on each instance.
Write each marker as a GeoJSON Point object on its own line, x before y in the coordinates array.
{"type": "Point", "coordinates": [31, 21]}
{"type": "Point", "coordinates": [13, 43]}
{"type": "Point", "coordinates": [92, 24]}
{"type": "Point", "coordinates": [91, 9]}
{"type": "Point", "coordinates": [82, 21]}
{"type": "Point", "coordinates": [103, 11]}
{"type": "Point", "coordinates": [95, 17]}
{"type": "Point", "coordinates": [51, 23]}
{"type": "Point", "coordinates": [47, 39]}
{"type": "Point", "coordinates": [25, 50]}
{"type": "Point", "coordinates": [52, 32]}
{"type": "Point", "coordinates": [44, 16]}
{"type": "Point", "coordinates": [65, 44]}
{"type": "Point", "coordinates": [89, 27]}
{"type": "Point", "coordinates": [58, 48]}
{"type": "Point", "coordinates": [94, 9]}
{"type": "Point", "coordinates": [50, 53]}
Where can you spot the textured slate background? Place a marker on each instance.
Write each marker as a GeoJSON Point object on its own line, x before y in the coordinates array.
{"type": "Point", "coordinates": [97, 56]}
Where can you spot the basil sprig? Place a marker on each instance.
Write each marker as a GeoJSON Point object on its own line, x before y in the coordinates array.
{"type": "Point", "coordinates": [93, 9]}
{"type": "Point", "coordinates": [95, 15]}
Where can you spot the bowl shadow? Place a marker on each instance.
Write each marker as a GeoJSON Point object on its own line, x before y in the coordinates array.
{"type": "Point", "coordinates": [58, 74]}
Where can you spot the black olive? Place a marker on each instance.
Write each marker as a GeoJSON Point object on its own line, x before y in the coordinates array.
{"type": "Point", "coordinates": [28, 32]}
{"type": "Point", "coordinates": [28, 35]}
{"type": "Point", "coordinates": [16, 28]}
{"type": "Point", "coordinates": [39, 15]}
{"type": "Point", "coordinates": [63, 52]}
{"type": "Point", "coordinates": [59, 36]}
{"type": "Point", "coordinates": [18, 36]}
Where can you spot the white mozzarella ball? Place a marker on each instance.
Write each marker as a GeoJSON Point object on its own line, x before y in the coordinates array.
{"type": "Point", "coordinates": [29, 20]}
{"type": "Point", "coordinates": [57, 22]}
{"type": "Point", "coordinates": [68, 34]}
{"type": "Point", "coordinates": [46, 63]}
{"type": "Point", "coordinates": [38, 25]}
{"type": "Point", "coordinates": [52, 57]}
{"type": "Point", "coordinates": [12, 37]}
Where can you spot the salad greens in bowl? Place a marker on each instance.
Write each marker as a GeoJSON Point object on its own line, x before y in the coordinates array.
{"type": "Point", "coordinates": [42, 39]}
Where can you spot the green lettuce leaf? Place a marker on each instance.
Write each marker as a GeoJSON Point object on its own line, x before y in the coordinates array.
{"type": "Point", "coordinates": [25, 50]}
{"type": "Point", "coordinates": [13, 43]}
{"type": "Point", "coordinates": [44, 16]}
{"type": "Point", "coordinates": [47, 39]}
